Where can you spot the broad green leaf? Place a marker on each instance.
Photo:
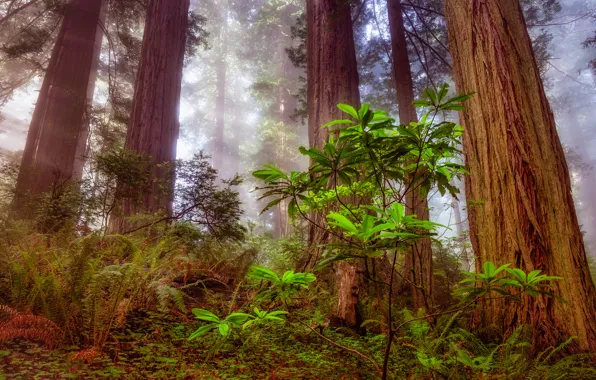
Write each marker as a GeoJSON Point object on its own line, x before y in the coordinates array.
{"type": "Point", "coordinates": [501, 268]}
{"type": "Point", "coordinates": [489, 269]}
{"type": "Point", "coordinates": [518, 273]}
{"type": "Point", "coordinates": [349, 110]}
{"type": "Point", "coordinates": [205, 315]}
{"type": "Point", "coordinates": [262, 273]}
{"type": "Point", "coordinates": [342, 222]}
{"type": "Point", "coordinates": [202, 331]}
{"type": "Point", "coordinates": [338, 122]}
{"type": "Point", "coordinates": [237, 318]}
{"type": "Point", "coordinates": [224, 329]}
{"type": "Point", "coordinates": [363, 110]}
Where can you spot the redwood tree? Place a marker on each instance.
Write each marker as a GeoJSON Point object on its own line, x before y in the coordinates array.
{"type": "Point", "coordinates": [332, 79]}
{"type": "Point", "coordinates": [55, 147]}
{"type": "Point", "coordinates": [519, 196]}
{"type": "Point", "coordinates": [154, 126]}
{"type": "Point", "coordinates": [221, 71]}
{"type": "Point", "coordinates": [419, 262]}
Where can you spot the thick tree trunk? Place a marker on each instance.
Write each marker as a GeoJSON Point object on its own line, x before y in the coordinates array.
{"type": "Point", "coordinates": [419, 262]}
{"type": "Point", "coordinates": [154, 126]}
{"type": "Point", "coordinates": [332, 79]}
{"type": "Point", "coordinates": [519, 196]}
{"type": "Point", "coordinates": [59, 127]}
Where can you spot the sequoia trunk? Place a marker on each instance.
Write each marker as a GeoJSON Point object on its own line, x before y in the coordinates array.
{"type": "Point", "coordinates": [419, 262]}
{"type": "Point", "coordinates": [519, 196]}
{"type": "Point", "coordinates": [154, 126]}
{"type": "Point", "coordinates": [332, 79]}
{"type": "Point", "coordinates": [57, 135]}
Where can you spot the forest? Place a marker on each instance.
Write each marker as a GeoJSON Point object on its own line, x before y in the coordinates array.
{"type": "Point", "coordinates": [288, 189]}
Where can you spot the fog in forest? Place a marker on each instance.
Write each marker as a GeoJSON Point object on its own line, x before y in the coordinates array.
{"type": "Point", "coordinates": [310, 189]}
{"type": "Point", "coordinates": [246, 52]}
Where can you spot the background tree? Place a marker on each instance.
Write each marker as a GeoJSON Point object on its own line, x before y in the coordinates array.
{"type": "Point", "coordinates": [519, 195]}
{"type": "Point", "coordinates": [154, 126]}
{"type": "Point", "coordinates": [332, 79]}
{"type": "Point", "coordinates": [419, 262]}
{"type": "Point", "coordinates": [55, 148]}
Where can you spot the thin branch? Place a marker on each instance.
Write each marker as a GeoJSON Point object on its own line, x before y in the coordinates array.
{"type": "Point", "coordinates": [383, 42]}
{"type": "Point", "coordinates": [409, 4]}
{"type": "Point", "coordinates": [425, 24]}
{"type": "Point", "coordinates": [16, 10]}
{"type": "Point", "coordinates": [359, 11]}
{"type": "Point", "coordinates": [355, 352]}
{"type": "Point", "coordinates": [424, 42]}
{"type": "Point", "coordinates": [589, 14]}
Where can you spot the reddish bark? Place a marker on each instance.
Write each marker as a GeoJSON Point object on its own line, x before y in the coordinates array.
{"type": "Point", "coordinates": [332, 79]}
{"type": "Point", "coordinates": [58, 131]}
{"type": "Point", "coordinates": [154, 126]}
{"type": "Point", "coordinates": [419, 262]}
{"type": "Point", "coordinates": [519, 195]}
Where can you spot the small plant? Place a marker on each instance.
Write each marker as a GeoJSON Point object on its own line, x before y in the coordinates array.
{"type": "Point", "coordinates": [223, 326]}
{"type": "Point", "coordinates": [280, 288]}
{"type": "Point", "coordinates": [234, 321]}
{"type": "Point", "coordinates": [533, 283]}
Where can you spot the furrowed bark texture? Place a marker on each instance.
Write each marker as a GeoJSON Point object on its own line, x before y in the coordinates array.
{"type": "Point", "coordinates": [419, 262]}
{"type": "Point", "coordinates": [519, 195]}
{"type": "Point", "coordinates": [57, 135]}
{"type": "Point", "coordinates": [154, 126]}
{"type": "Point", "coordinates": [332, 79]}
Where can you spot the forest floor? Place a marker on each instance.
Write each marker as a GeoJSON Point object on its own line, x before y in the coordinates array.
{"type": "Point", "coordinates": [154, 346]}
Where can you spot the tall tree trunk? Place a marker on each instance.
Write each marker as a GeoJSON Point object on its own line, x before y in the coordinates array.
{"type": "Point", "coordinates": [154, 126]}
{"type": "Point", "coordinates": [459, 233]}
{"type": "Point", "coordinates": [419, 262]}
{"type": "Point", "coordinates": [519, 195]}
{"type": "Point", "coordinates": [285, 106]}
{"type": "Point", "coordinates": [332, 79]}
{"type": "Point", "coordinates": [219, 143]}
{"type": "Point", "coordinates": [59, 127]}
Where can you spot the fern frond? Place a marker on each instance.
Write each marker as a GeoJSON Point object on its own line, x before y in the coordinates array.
{"type": "Point", "coordinates": [14, 324]}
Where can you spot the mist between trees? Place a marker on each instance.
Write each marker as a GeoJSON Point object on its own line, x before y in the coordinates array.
{"type": "Point", "coordinates": [411, 183]}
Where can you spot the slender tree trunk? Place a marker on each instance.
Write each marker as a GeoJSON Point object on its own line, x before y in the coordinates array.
{"type": "Point", "coordinates": [59, 127]}
{"type": "Point", "coordinates": [419, 263]}
{"type": "Point", "coordinates": [519, 195]}
{"type": "Point", "coordinates": [154, 126]}
{"type": "Point", "coordinates": [285, 100]}
{"type": "Point", "coordinates": [219, 143]}
{"type": "Point", "coordinates": [459, 231]}
{"type": "Point", "coordinates": [332, 79]}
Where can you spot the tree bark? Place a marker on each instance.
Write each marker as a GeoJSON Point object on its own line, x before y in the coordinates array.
{"type": "Point", "coordinates": [154, 126]}
{"type": "Point", "coordinates": [59, 126]}
{"type": "Point", "coordinates": [286, 103]}
{"type": "Point", "coordinates": [519, 195]}
{"type": "Point", "coordinates": [418, 268]}
{"type": "Point", "coordinates": [219, 141]}
{"type": "Point", "coordinates": [332, 79]}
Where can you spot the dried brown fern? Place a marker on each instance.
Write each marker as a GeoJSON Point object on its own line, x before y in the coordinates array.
{"type": "Point", "coordinates": [87, 355]}
{"type": "Point", "coordinates": [17, 325]}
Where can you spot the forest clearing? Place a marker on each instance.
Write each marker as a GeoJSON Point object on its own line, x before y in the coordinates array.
{"type": "Point", "coordinates": [287, 189]}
